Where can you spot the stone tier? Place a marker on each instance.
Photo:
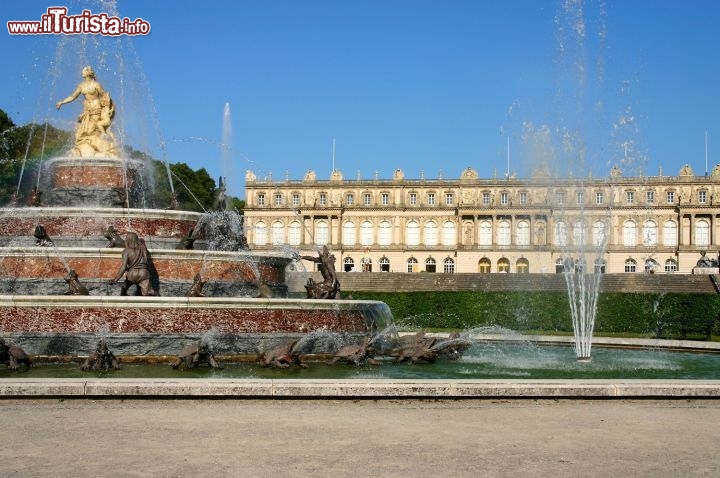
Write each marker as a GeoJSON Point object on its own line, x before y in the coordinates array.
{"type": "Point", "coordinates": [42, 270]}
{"type": "Point", "coordinates": [83, 226]}
{"type": "Point", "coordinates": [152, 325]}
{"type": "Point", "coordinates": [110, 182]}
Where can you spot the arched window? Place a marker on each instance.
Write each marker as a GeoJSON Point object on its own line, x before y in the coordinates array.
{"type": "Point", "coordinates": [702, 233]}
{"type": "Point", "coordinates": [413, 234]}
{"type": "Point", "coordinates": [579, 232]}
{"type": "Point", "coordinates": [671, 266]}
{"type": "Point", "coordinates": [348, 264]}
{"type": "Point", "coordinates": [630, 265]}
{"type": "Point", "coordinates": [430, 265]}
{"type": "Point", "coordinates": [599, 266]}
{"type": "Point", "coordinates": [321, 233]}
{"type": "Point", "coordinates": [431, 235]}
{"type": "Point", "coordinates": [366, 233]}
{"type": "Point", "coordinates": [629, 234]}
{"type": "Point", "coordinates": [523, 233]}
{"type": "Point", "coordinates": [260, 233]}
{"type": "Point", "coordinates": [449, 266]}
{"type": "Point", "coordinates": [503, 265]}
{"type": "Point", "coordinates": [599, 234]}
{"type": "Point", "coordinates": [504, 233]}
{"type": "Point", "coordinates": [449, 233]}
{"type": "Point", "coordinates": [278, 233]}
{"type": "Point", "coordinates": [651, 266]}
{"type": "Point", "coordinates": [412, 265]}
{"type": "Point", "coordinates": [484, 265]}
{"type": "Point", "coordinates": [522, 266]}
{"type": "Point", "coordinates": [485, 237]}
{"type": "Point", "coordinates": [384, 264]}
{"type": "Point", "coordinates": [560, 234]}
{"type": "Point", "coordinates": [670, 234]}
{"type": "Point", "coordinates": [385, 234]}
{"type": "Point", "coordinates": [559, 266]}
{"type": "Point", "coordinates": [295, 234]}
{"type": "Point", "coordinates": [649, 233]}
{"type": "Point", "coordinates": [349, 235]}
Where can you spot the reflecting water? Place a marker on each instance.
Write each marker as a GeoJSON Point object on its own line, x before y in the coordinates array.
{"type": "Point", "coordinates": [481, 361]}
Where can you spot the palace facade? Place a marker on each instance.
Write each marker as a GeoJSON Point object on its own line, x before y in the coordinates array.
{"type": "Point", "coordinates": [656, 224]}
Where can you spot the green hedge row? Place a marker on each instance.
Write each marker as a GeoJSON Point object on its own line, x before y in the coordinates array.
{"type": "Point", "coordinates": [666, 315]}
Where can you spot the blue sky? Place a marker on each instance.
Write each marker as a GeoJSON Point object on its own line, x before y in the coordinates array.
{"type": "Point", "coordinates": [427, 86]}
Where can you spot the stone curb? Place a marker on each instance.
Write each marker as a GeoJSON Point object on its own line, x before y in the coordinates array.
{"type": "Point", "coordinates": [370, 389]}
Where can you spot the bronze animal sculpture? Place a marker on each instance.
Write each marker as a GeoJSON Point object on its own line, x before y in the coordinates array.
{"type": "Point", "coordinates": [74, 285]}
{"type": "Point", "coordinates": [41, 237]}
{"type": "Point", "coordinates": [282, 356]}
{"type": "Point", "coordinates": [453, 347]}
{"type": "Point", "coordinates": [416, 349]}
{"type": "Point", "coordinates": [12, 356]}
{"type": "Point", "coordinates": [330, 286]}
{"type": "Point", "coordinates": [196, 354]}
{"type": "Point", "coordinates": [356, 354]}
{"type": "Point", "coordinates": [113, 236]}
{"type": "Point", "coordinates": [102, 358]}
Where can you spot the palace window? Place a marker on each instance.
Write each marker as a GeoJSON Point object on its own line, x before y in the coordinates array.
{"type": "Point", "coordinates": [630, 197]}
{"type": "Point", "coordinates": [504, 238]}
{"type": "Point", "coordinates": [579, 233]}
{"type": "Point", "coordinates": [294, 234]}
{"type": "Point", "coordinates": [630, 265]}
{"type": "Point", "coordinates": [430, 265]}
{"type": "Point", "coordinates": [649, 233]}
{"type": "Point", "coordinates": [449, 199]}
{"type": "Point", "coordinates": [523, 233]}
{"type": "Point", "coordinates": [503, 265]}
{"type": "Point", "coordinates": [599, 235]}
{"type": "Point", "coordinates": [579, 197]}
{"type": "Point", "coordinates": [261, 199]}
{"type": "Point", "coordinates": [412, 265]}
{"type": "Point", "coordinates": [413, 234]}
{"type": "Point", "coordinates": [321, 233]}
{"type": "Point", "coordinates": [629, 234]}
{"type": "Point", "coordinates": [260, 234]}
{"type": "Point", "coordinates": [431, 199]}
{"type": "Point", "coordinates": [431, 234]}
{"type": "Point", "coordinates": [413, 199]}
{"type": "Point", "coordinates": [523, 198]}
{"type": "Point", "coordinates": [486, 199]}
{"type": "Point", "coordinates": [670, 197]}
{"type": "Point", "coordinates": [599, 197]}
{"type": "Point", "coordinates": [385, 235]}
{"type": "Point", "coordinates": [449, 266]}
{"type": "Point", "coordinates": [295, 200]}
{"type": "Point", "coordinates": [485, 236]}
{"type": "Point", "coordinates": [449, 234]}
{"type": "Point", "coordinates": [367, 199]}
{"type": "Point", "coordinates": [671, 266]}
{"type": "Point", "coordinates": [349, 199]}
{"type": "Point", "coordinates": [504, 200]}
{"type": "Point", "coordinates": [384, 264]}
{"type": "Point", "coordinates": [522, 266]}
{"type": "Point", "coordinates": [484, 266]}
{"type": "Point", "coordinates": [348, 264]}
{"type": "Point", "coordinates": [278, 233]}
{"type": "Point", "coordinates": [349, 235]}
{"type": "Point", "coordinates": [560, 234]}
{"type": "Point", "coordinates": [385, 199]}
{"type": "Point", "coordinates": [670, 234]}
{"type": "Point", "coordinates": [650, 197]}
{"type": "Point", "coordinates": [702, 233]}
{"type": "Point", "coordinates": [366, 233]}
{"type": "Point", "coordinates": [278, 199]}
{"type": "Point", "coordinates": [322, 200]}
{"type": "Point", "coordinates": [702, 197]}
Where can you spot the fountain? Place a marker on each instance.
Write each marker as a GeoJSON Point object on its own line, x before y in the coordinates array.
{"type": "Point", "coordinates": [193, 270]}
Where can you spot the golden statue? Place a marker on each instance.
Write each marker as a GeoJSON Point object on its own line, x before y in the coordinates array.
{"type": "Point", "coordinates": [92, 135]}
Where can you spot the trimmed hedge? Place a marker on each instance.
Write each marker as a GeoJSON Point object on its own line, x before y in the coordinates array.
{"type": "Point", "coordinates": [667, 315]}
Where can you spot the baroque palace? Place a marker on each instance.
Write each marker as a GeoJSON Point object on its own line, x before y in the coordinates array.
{"type": "Point", "coordinates": [656, 224]}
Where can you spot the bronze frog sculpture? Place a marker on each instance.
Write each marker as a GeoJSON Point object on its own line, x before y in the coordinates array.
{"type": "Point", "coordinates": [196, 354]}
{"type": "Point", "coordinates": [282, 356]}
{"type": "Point", "coordinates": [12, 356]}
{"type": "Point", "coordinates": [357, 354]}
{"type": "Point", "coordinates": [102, 358]}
